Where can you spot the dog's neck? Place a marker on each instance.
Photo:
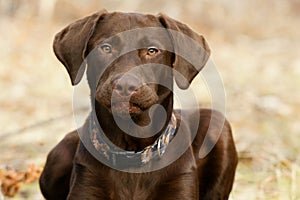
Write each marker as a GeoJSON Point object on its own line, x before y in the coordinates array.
{"type": "Point", "coordinates": [123, 139]}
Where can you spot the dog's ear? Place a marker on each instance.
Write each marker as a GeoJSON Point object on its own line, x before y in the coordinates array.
{"type": "Point", "coordinates": [185, 39]}
{"type": "Point", "coordinates": [70, 44]}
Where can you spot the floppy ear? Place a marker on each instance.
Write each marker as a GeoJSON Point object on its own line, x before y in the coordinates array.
{"type": "Point", "coordinates": [70, 44]}
{"type": "Point", "coordinates": [185, 39]}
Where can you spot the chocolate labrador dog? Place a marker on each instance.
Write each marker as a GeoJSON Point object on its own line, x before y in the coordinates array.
{"type": "Point", "coordinates": [134, 145]}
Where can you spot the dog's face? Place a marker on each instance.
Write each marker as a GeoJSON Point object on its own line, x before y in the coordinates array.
{"type": "Point", "coordinates": [115, 55]}
{"type": "Point", "coordinates": [122, 78]}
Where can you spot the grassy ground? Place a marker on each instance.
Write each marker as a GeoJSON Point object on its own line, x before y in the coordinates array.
{"type": "Point", "coordinates": [255, 46]}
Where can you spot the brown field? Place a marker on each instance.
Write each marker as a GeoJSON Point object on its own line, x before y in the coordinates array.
{"type": "Point", "coordinates": [255, 46]}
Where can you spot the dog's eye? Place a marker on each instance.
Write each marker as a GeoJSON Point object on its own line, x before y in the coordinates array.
{"type": "Point", "coordinates": [106, 48]}
{"type": "Point", "coordinates": [152, 51]}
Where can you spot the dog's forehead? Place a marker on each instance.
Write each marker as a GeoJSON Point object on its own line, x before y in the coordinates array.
{"type": "Point", "coordinates": [118, 21]}
{"type": "Point", "coordinates": [112, 24]}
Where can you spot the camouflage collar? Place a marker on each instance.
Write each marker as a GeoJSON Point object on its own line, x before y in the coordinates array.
{"type": "Point", "coordinates": [119, 157]}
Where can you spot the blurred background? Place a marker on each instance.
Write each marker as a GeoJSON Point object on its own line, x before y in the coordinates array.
{"type": "Point", "coordinates": [255, 45]}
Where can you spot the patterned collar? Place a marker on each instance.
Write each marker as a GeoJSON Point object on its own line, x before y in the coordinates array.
{"type": "Point", "coordinates": [121, 158]}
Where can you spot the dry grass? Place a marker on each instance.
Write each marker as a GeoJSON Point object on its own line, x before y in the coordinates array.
{"type": "Point", "coordinates": [255, 45]}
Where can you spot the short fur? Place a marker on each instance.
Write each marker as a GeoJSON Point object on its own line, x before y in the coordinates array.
{"type": "Point", "coordinates": [71, 172]}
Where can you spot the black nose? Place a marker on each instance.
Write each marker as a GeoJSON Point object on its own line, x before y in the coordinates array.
{"type": "Point", "coordinates": [126, 85]}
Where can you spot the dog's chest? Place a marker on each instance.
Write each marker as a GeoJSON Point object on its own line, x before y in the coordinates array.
{"type": "Point", "coordinates": [127, 186]}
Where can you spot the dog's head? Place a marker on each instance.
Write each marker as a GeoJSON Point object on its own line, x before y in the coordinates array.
{"type": "Point", "coordinates": [114, 44]}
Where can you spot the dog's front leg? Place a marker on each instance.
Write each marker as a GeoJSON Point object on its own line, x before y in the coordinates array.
{"type": "Point", "coordinates": [55, 178]}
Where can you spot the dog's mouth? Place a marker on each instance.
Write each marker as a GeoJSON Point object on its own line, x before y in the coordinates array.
{"type": "Point", "coordinates": [123, 108]}
{"type": "Point", "coordinates": [133, 106]}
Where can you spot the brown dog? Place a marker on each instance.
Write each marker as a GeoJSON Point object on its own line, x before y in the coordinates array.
{"type": "Point", "coordinates": [100, 161]}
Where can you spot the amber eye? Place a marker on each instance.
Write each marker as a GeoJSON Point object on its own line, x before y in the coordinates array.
{"type": "Point", "coordinates": [152, 51]}
{"type": "Point", "coordinates": [106, 48]}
